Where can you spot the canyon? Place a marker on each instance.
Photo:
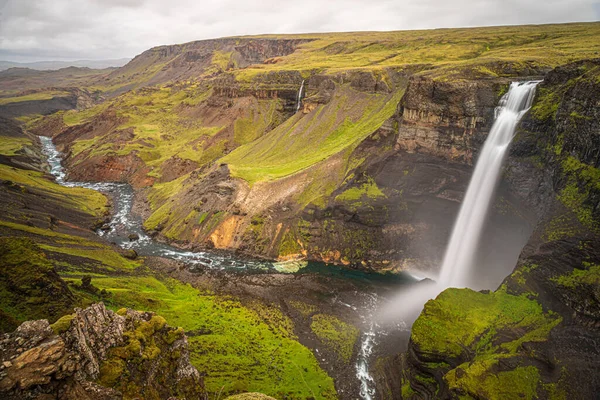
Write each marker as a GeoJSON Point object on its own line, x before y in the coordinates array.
{"type": "Point", "coordinates": [341, 158]}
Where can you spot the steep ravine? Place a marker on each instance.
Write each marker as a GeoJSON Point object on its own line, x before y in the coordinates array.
{"type": "Point", "coordinates": [374, 203]}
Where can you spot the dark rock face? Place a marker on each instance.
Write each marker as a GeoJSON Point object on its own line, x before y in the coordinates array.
{"type": "Point", "coordinates": [44, 107]}
{"type": "Point", "coordinates": [83, 356]}
{"type": "Point", "coordinates": [447, 119]}
{"type": "Point", "coordinates": [553, 167]}
{"type": "Point", "coordinates": [75, 99]}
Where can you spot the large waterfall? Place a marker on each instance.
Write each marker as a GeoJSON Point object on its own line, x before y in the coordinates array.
{"type": "Point", "coordinates": [464, 241]}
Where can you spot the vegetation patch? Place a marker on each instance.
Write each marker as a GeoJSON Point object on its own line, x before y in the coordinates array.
{"type": "Point", "coordinates": [240, 349]}
{"type": "Point", "coordinates": [337, 335]}
{"type": "Point", "coordinates": [589, 274]}
{"type": "Point", "coordinates": [458, 319]}
{"type": "Point", "coordinates": [300, 143]}
{"type": "Point", "coordinates": [30, 287]}
{"type": "Point", "coordinates": [10, 146]}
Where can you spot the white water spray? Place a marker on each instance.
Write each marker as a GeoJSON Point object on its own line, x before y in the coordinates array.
{"type": "Point", "coordinates": [460, 253]}
{"type": "Point", "coordinates": [299, 97]}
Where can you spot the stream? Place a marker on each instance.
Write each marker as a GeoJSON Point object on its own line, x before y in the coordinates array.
{"type": "Point", "coordinates": [126, 230]}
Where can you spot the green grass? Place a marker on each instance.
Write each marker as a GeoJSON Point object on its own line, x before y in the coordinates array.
{"type": "Point", "coordinates": [237, 347]}
{"type": "Point", "coordinates": [448, 49]}
{"type": "Point", "coordinates": [300, 143]}
{"type": "Point", "coordinates": [458, 318]}
{"type": "Point", "coordinates": [335, 334]}
{"type": "Point", "coordinates": [44, 95]}
{"type": "Point", "coordinates": [106, 256]}
{"type": "Point", "coordinates": [10, 146]}
{"type": "Point", "coordinates": [86, 200]}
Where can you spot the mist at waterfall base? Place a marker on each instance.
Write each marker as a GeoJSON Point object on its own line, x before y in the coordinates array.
{"type": "Point", "coordinates": [459, 267]}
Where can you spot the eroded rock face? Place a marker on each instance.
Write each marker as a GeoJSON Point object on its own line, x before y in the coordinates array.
{"type": "Point", "coordinates": [98, 354]}
{"type": "Point", "coordinates": [447, 119]}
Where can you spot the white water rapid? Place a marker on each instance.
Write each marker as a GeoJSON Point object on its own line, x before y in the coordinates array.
{"type": "Point", "coordinates": [460, 253]}
{"type": "Point", "coordinates": [299, 97]}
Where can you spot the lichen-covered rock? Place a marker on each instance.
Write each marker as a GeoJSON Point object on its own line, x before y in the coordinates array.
{"type": "Point", "coordinates": [98, 354]}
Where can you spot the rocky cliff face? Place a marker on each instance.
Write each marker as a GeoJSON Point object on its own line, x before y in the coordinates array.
{"type": "Point", "coordinates": [448, 119]}
{"type": "Point", "coordinates": [543, 340]}
{"type": "Point", "coordinates": [98, 354]}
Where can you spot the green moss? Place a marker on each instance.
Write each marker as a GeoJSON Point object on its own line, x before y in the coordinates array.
{"type": "Point", "coordinates": [251, 128]}
{"type": "Point", "coordinates": [106, 256]}
{"type": "Point", "coordinates": [202, 218]}
{"type": "Point", "coordinates": [30, 287]}
{"type": "Point", "coordinates": [335, 334]}
{"type": "Point", "coordinates": [239, 348]}
{"type": "Point", "coordinates": [62, 324]}
{"type": "Point", "coordinates": [161, 129]}
{"type": "Point", "coordinates": [10, 146]}
{"type": "Point", "coordinates": [368, 189]}
{"type": "Point", "coordinates": [589, 274]}
{"type": "Point", "coordinates": [85, 200]}
{"type": "Point", "coordinates": [289, 245]}
{"type": "Point", "coordinates": [546, 104]}
{"type": "Point", "coordinates": [304, 308]}
{"type": "Point", "coordinates": [478, 380]}
{"type": "Point", "coordinates": [457, 319]}
{"type": "Point", "coordinates": [302, 142]}
{"type": "Point", "coordinates": [407, 390]}
{"type": "Point", "coordinates": [42, 95]}
{"type": "Point", "coordinates": [560, 227]}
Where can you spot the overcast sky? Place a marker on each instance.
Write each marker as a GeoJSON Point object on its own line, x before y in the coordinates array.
{"type": "Point", "coordinates": [32, 30]}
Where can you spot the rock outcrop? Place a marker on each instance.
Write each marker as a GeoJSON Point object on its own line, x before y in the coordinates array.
{"type": "Point", "coordinates": [96, 353]}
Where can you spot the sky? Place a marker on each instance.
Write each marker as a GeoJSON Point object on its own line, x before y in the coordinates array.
{"type": "Point", "coordinates": [35, 30]}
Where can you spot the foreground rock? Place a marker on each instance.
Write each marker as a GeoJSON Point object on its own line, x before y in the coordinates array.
{"type": "Point", "coordinates": [96, 353]}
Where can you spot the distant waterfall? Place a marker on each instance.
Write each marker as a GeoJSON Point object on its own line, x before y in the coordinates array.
{"type": "Point", "coordinates": [464, 241]}
{"type": "Point", "coordinates": [299, 97]}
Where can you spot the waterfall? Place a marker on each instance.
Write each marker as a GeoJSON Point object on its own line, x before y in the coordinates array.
{"type": "Point", "coordinates": [464, 241]}
{"type": "Point", "coordinates": [299, 97]}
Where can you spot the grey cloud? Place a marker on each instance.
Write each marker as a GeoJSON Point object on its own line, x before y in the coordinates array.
{"type": "Point", "coordinates": [96, 29]}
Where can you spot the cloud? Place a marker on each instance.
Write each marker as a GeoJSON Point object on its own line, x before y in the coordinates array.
{"type": "Point", "coordinates": [97, 29]}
